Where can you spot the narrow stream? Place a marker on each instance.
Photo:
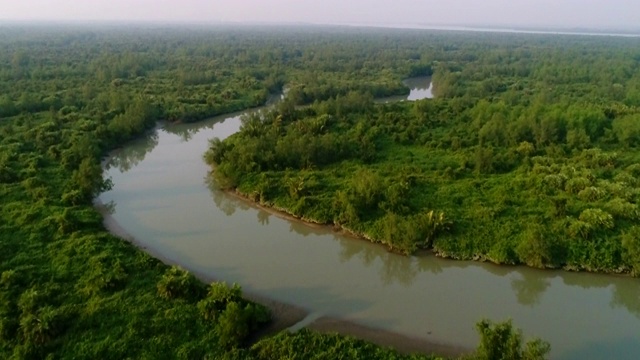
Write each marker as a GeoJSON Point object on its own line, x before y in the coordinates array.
{"type": "Point", "coordinates": [161, 198]}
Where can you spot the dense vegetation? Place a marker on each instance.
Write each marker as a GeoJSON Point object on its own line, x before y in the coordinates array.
{"type": "Point", "coordinates": [497, 342]}
{"type": "Point", "coordinates": [529, 154]}
{"type": "Point", "coordinates": [69, 289]}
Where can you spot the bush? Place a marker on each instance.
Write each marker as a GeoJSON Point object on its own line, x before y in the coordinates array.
{"type": "Point", "coordinates": [502, 342]}
{"type": "Point", "coordinates": [235, 317]}
{"type": "Point", "coordinates": [42, 326]}
{"type": "Point", "coordinates": [631, 249]}
{"type": "Point", "coordinates": [105, 273]}
{"type": "Point", "coordinates": [623, 209]}
{"type": "Point", "coordinates": [597, 218]}
{"type": "Point", "coordinates": [217, 299]}
{"type": "Point", "coordinates": [533, 248]}
{"type": "Point", "coordinates": [177, 283]}
{"type": "Point", "coordinates": [233, 325]}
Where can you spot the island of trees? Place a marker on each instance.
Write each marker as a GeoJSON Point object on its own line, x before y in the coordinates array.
{"type": "Point", "coordinates": [529, 154]}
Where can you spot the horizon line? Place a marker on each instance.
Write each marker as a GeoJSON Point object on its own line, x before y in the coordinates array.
{"type": "Point", "coordinates": [498, 28]}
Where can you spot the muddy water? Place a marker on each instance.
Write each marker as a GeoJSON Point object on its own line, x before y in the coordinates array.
{"type": "Point", "coordinates": [162, 199]}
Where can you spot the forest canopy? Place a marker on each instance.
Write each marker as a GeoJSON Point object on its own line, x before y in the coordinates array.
{"type": "Point", "coordinates": [527, 155]}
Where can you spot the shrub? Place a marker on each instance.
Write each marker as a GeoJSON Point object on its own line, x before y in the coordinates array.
{"type": "Point", "coordinates": [502, 342]}
{"type": "Point", "coordinates": [178, 283]}
{"type": "Point", "coordinates": [217, 299]}
{"type": "Point", "coordinates": [575, 185]}
{"type": "Point", "coordinates": [634, 170]}
{"type": "Point", "coordinates": [237, 322]}
{"type": "Point", "coordinates": [579, 228]}
{"type": "Point", "coordinates": [597, 218]}
{"type": "Point", "coordinates": [631, 249]}
{"type": "Point", "coordinates": [536, 247]}
{"type": "Point", "coordinates": [44, 325]}
{"type": "Point", "coordinates": [104, 273]}
{"type": "Point", "coordinates": [591, 193]}
{"type": "Point", "coordinates": [234, 317]}
{"type": "Point", "coordinates": [555, 181]}
{"type": "Point", "coordinates": [623, 209]}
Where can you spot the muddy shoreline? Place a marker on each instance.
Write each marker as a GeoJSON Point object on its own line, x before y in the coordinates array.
{"type": "Point", "coordinates": [285, 315]}
{"type": "Point", "coordinates": [283, 213]}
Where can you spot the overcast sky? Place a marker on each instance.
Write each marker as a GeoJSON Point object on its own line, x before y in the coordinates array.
{"type": "Point", "coordinates": [557, 13]}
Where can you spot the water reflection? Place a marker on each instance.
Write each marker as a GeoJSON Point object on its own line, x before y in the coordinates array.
{"type": "Point", "coordinates": [589, 282]}
{"type": "Point", "coordinates": [128, 157]}
{"type": "Point", "coordinates": [263, 217]}
{"type": "Point", "coordinates": [186, 131]}
{"type": "Point", "coordinates": [625, 348]}
{"type": "Point", "coordinates": [420, 88]}
{"type": "Point", "coordinates": [106, 208]}
{"type": "Point", "coordinates": [627, 297]}
{"type": "Point", "coordinates": [398, 270]}
{"type": "Point", "coordinates": [426, 265]}
{"type": "Point", "coordinates": [163, 202]}
{"type": "Point", "coordinates": [306, 230]}
{"type": "Point", "coordinates": [224, 202]}
{"type": "Point", "coordinates": [528, 285]}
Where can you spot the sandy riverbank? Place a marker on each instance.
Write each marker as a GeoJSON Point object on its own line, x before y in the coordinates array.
{"type": "Point", "coordinates": [402, 343]}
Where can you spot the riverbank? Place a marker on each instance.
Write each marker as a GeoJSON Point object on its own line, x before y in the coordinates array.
{"type": "Point", "coordinates": [285, 315]}
{"type": "Point", "coordinates": [286, 214]}
{"type": "Point", "coordinates": [319, 269]}
{"type": "Point", "coordinates": [402, 343]}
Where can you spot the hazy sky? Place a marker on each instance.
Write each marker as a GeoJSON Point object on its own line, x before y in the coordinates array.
{"type": "Point", "coordinates": [563, 13]}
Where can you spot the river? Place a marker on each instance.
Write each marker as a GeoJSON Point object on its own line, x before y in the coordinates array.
{"type": "Point", "coordinates": [162, 199]}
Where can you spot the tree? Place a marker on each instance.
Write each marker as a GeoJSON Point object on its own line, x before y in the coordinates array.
{"type": "Point", "coordinates": [537, 247]}
{"type": "Point", "coordinates": [217, 299]}
{"type": "Point", "coordinates": [484, 159]}
{"type": "Point", "coordinates": [7, 107]}
{"type": "Point", "coordinates": [87, 179]}
{"type": "Point", "coordinates": [500, 341]}
{"type": "Point", "coordinates": [631, 246]}
{"type": "Point", "coordinates": [177, 283]}
{"type": "Point", "coordinates": [627, 130]}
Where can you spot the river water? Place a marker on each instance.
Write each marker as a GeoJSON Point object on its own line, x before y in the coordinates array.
{"type": "Point", "coordinates": [162, 199]}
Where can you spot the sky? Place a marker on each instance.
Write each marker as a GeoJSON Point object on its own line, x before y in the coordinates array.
{"type": "Point", "coordinates": [619, 14]}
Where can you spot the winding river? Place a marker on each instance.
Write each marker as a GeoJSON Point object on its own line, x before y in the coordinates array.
{"type": "Point", "coordinates": [161, 198]}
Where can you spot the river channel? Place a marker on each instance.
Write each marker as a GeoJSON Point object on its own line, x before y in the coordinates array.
{"type": "Point", "coordinates": [163, 200]}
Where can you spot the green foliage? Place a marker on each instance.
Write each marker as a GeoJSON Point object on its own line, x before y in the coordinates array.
{"type": "Point", "coordinates": [597, 218]}
{"type": "Point", "coordinates": [538, 248]}
{"type": "Point", "coordinates": [531, 162]}
{"type": "Point", "coordinates": [627, 130]}
{"type": "Point", "coordinates": [234, 318]}
{"type": "Point", "coordinates": [306, 344]}
{"type": "Point", "coordinates": [237, 321]}
{"type": "Point", "coordinates": [502, 342]}
{"type": "Point", "coordinates": [177, 283]}
{"type": "Point", "coordinates": [526, 130]}
{"type": "Point", "coordinates": [631, 246]}
{"type": "Point", "coordinates": [68, 289]}
{"type": "Point", "coordinates": [217, 299]}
